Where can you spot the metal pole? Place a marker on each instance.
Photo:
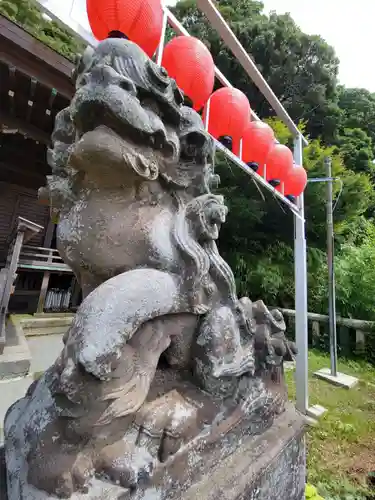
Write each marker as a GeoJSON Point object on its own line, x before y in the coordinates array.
{"type": "Point", "coordinates": [160, 49]}
{"type": "Point", "coordinates": [300, 271]}
{"type": "Point", "coordinates": [331, 271]}
{"type": "Point", "coordinates": [216, 20]}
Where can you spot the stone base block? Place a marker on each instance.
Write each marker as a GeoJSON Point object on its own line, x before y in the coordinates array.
{"type": "Point", "coordinates": [270, 466]}
{"type": "Point", "coordinates": [341, 380]}
{"type": "Point", "coordinates": [316, 411]}
{"type": "Point", "coordinates": [16, 358]}
{"type": "Point", "coordinates": [10, 391]}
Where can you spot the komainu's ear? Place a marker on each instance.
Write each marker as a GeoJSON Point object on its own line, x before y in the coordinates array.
{"type": "Point", "coordinates": [81, 62]}
{"type": "Point", "coordinates": [147, 169]}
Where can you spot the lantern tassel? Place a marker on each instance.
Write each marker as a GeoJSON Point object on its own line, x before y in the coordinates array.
{"type": "Point", "coordinates": [274, 182]}
{"type": "Point", "coordinates": [253, 165]}
{"type": "Point", "coordinates": [117, 34]}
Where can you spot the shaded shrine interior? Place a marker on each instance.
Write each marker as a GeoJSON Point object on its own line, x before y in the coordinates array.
{"type": "Point", "coordinates": [34, 86]}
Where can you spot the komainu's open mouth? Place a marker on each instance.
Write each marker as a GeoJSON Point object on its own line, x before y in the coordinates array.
{"type": "Point", "coordinates": [119, 111]}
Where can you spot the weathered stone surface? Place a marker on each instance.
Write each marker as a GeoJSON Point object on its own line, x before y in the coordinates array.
{"type": "Point", "coordinates": [164, 371]}
{"type": "Point", "coordinates": [270, 466]}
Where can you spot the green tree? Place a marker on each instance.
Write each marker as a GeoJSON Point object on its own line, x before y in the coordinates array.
{"type": "Point", "coordinates": [356, 149]}
{"type": "Point", "coordinates": [358, 111]}
{"type": "Point", "coordinates": [355, 277]}
{"type": "Point", "coordinates": [301, 69]}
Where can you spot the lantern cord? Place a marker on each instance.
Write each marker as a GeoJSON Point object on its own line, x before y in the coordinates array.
{"type": "Point", "coordinates": [231, 171]}
{"type": "Point", "coordinates": [260, 191]}
{"type": "Point", "coordinates": [278, 202]}
{"type": "Point", "coordinates": [339, 195]}
{"type": "Point", "coordinates": [71, 9]}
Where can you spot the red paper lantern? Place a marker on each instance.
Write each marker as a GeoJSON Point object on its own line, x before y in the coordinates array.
{"type": "Point", "coordinates": [279, 162]}
{"type": "Point", "coordinates": [295, 182]}
{"type": "Point", "coordinates": [190, 63]}
{"type": "Point", "coordinates": [257, 141]}
{"type": "Point", "coordinates": [140, 21]}
{"type": "Point", "coordinates": [229, 113]}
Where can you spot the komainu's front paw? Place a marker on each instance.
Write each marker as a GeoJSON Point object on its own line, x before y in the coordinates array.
{"type": "Point", "coordinates": [55, 482]}
{"type": "Point", "coordinates": [125, 464]}
{"type": "Point", "coordinates": [61, 475]}
{"type": "Point", "coordinates": [161, 427]}
{"type": "Point", "coordinates": [166, 424]}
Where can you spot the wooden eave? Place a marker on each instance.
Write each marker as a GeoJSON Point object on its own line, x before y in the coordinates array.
{"type": "Point", "coordinates": [35, 83]}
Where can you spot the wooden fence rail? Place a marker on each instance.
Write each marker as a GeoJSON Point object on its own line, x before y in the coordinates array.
{"type": "Point", "coordinates": [352, 333]}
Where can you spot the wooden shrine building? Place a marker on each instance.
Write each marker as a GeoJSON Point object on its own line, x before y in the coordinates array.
{"type": "Point", "coordinates": [34, 86]}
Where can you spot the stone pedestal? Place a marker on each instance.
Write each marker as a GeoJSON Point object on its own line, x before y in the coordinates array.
{"type": "Point", "coordinates": [266, 467]}
{"type": "Point", "coordinates": [270, 466]}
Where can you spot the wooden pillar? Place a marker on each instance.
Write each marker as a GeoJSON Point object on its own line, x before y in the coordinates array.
{"type": "Point", "coordinates": [49, 234]}
{"type": "Point", "coordinates": [76, 290]}
{"type": "Point", "coordinates": [23, 232]}
{"type": "Point", "coordinates": [315, 328]}
{"type": "Point", "coordinates": [344, 340]}
{"type": "Point", "coordinates": [43, 292]}
{"type": "Point", "coordinates": [11, 273]}
{"type": "Point", "coordinates": [360, 341]}
{"type": "Point", "coordinates": [45, 283]}
{"type": "Point", "coordinates": [47, 275]}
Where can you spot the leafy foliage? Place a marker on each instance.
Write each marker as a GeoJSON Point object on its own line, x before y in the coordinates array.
{"type": "Point", "coordinates": [311, 493]}
{"type": "Point", "coordinates": [358, 110]}
{"type": "Point", "coordinates": [29, 17]}
{"type": "Point", "coordinates": [356, 149]}
{"type": "Point", "coordinates": [356, 286]}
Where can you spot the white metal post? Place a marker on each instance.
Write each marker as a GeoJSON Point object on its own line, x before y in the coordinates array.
{"type": "Point", "coordinates": [300, 271]}
{"type": "Point", "coordinates": [331, 270]}
{"type": "Point", "coordinates": [160, 50]}
{"type": "Point", "coordinates": [240, 151]}
{"type": "Point", "coordinates": [207, 117]}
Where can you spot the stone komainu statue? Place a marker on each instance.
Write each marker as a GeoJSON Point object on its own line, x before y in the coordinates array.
{"type": "Point", "coordinates": [163, 362]}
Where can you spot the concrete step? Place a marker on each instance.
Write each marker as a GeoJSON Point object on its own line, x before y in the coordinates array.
{"type": "Point", "coordinates": [42, 325]}
{"type": "Point", "coordinates": [42, 331]}
{"type": "Point", "coordinates": [11, 391]}
{"type": "Point", "coordinates": [15, 360]}
{"type": "Point", "coordinates": [44, 349]}
{"type": "Point", "coordinates": [53, 315]}
{"type": "Point", "coordinates": [33, 344]}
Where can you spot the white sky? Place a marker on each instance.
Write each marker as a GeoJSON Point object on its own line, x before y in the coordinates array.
{"type": "Point", "coordinates": [344, 24]}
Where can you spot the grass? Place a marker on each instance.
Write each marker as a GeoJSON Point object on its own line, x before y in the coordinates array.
{"type": "Point", "coordinates": [341, 449]}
